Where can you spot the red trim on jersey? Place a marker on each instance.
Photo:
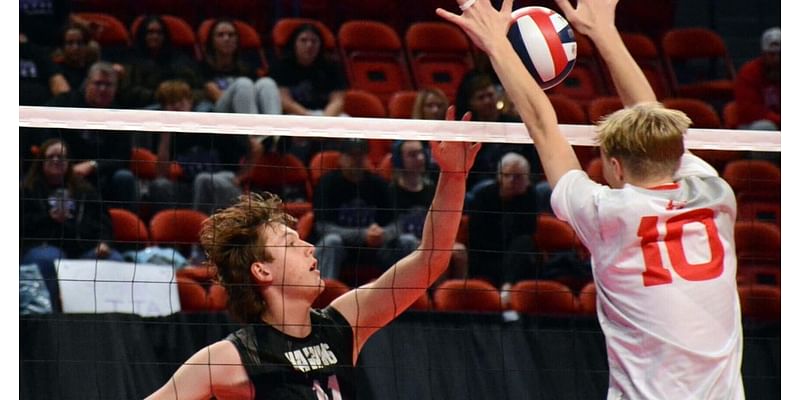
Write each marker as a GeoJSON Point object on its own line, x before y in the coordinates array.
{"type": "Point", "coordinates": [553, 41]}
{"type": "Point", "coordinates": [666, 186]}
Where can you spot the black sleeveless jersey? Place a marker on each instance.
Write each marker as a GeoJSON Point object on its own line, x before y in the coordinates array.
{"type": "Point", "coordinates": [319, 366]}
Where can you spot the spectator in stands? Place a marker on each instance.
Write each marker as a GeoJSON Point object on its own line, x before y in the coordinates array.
{"type": "Point", "coordinates": [154, 60]}
{"type": "Point", "coordinates": [61, 215]}
{"type": "Point", "coordinates": [411, 192]}
{"type": "Point", "coordinates": [310, 83]}
{"type": "Point", "coordinates": [431, 103]}
{"type": "Point", "coordinates": [77, 53]}
{"type": "Point", "coordinates": [230, 83]}
{"type": "Point", "coordinates": [502, 221]}
{"type": "Point", "coordinates": [758, 86]}
{"type": "Point", "coordinates": [39, 80]}
{"type": "Point", "coordinates": [478, 93]}
{"type": "Point", "coordinates": [352, 209]}
{"type": "Point", "coordinates": [211, 164]}
{"type": "Point", "coordinates": [102, 156]}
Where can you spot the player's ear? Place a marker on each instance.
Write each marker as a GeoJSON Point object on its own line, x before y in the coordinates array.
{"type": "Point", "coordinates": [616, 169]}
{"type": "Point", "coordinates": [261, 272]}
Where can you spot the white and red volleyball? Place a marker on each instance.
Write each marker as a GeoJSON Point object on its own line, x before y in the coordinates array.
{"type": "Point", "coordinates": [545, 43]}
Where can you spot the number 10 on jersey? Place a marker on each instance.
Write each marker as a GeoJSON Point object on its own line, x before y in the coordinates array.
{"type": "Point", "coordinates": [655, 273]}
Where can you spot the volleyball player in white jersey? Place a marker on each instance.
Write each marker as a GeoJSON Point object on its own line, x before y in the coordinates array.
{"type": "Point", "coordinates": [661, 236]}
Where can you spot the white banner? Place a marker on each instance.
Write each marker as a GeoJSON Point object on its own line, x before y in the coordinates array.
{"type": "Point", "coordinates": [100, 286]}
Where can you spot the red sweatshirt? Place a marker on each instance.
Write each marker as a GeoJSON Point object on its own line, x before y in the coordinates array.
{"type": "Point", "coordinates": [756, 98]}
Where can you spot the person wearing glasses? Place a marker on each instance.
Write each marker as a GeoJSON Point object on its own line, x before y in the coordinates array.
{"type": "Point", "coordinates": [61, 215]}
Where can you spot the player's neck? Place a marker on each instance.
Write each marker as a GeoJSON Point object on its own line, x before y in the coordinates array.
{"type": "Point", "coordinates": [291, 318]}
{"type": "Point", "coordinates": [650, 182]}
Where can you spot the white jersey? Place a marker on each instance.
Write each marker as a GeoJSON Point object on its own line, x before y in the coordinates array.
{"type": "Point", "coordinates": [664, 265]}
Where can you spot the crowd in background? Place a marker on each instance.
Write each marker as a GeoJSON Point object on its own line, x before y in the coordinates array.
{"type": "Point", "coordinates": [70, 179]}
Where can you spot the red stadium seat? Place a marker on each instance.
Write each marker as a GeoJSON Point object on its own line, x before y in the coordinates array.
{"type": "Point", "coordinates": [600, 107]}
{"type": "Point", "coordinates": [401, 104]}
{"type": "Point", "coordinates": [595, 171]}
{"type": "Point", "coordinates": [754, 180]}
{"type": "Point", "coordinates": [760, 302]}
{"type": "Point", "coordinates": [275, 172]}
{"type": "Point", "coordinates": [755, 210]}
{"type": "Point", "coordinates": [110, 33]}
{"type": "Point", "coordinates": [553, 235]}
{"type": "Point", "coordinates": [107, 30]}
{"type": "Point", "coordinates": [128, 228]}
{"type": "Point", "coordinates": [378, 150]}
{"type": "Point", "coordinates": [701, 113]}
{"type": "Point", "coordinates": [718, 159]}
{"type": "Point", "coordinates": [473, 295]}
{"type": "Point", "coordinates": [439, 54]}
{"type": "Point", "coordinates": [192, 295]}
{"type": "Point", "coordinates": [729, 116]}
{"type": "Point", "coordinates": [217, 297]}
{"type": "Point", "coordinates": [322, 163]}
{"type": "Point", "coordinates": [423, 303]}
{"type": "Point", "coordinates": [385, 167]}
{"type": "Point", "coordinates": [179, 228]}
{"type": "Point", "coordinates": [587, 299]}
{"type": "Point", "coordinates": [757, 243]}
{"type": "Point", "coordinates": [682, 45]}
{"type": "Point", "coordinates": [305, 225]}
{"type": "Point", "coordinates": [373, 58]}
{"type": "Point", "coordinates": [568, 111]}
{"type": "Point", "coordinates": [645, 53]}
{"type": "Point", "coordinates": [543, 298]}
{"type": "Point", "coordinates": [143, 163]}
{"type": "Point", "coordinates": [360, 103]}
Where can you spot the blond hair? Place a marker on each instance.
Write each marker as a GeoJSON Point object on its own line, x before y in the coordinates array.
{"type": "Point", "coordinates": [233, 239]}
{"type": "Point", "coordinates": [417, 111]}
{"type": "Point", "coordinates": [647, 138]}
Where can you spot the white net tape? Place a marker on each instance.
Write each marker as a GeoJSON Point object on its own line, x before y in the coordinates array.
{"type": "Point", "coordinates": [368, 128]}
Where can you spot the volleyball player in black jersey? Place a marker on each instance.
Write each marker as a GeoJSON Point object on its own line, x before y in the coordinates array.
{"type": "Point", "coordinates": [287, 349]}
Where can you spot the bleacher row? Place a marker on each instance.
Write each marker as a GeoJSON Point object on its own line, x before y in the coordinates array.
{"type": "Point", "coordinates": [757, 235]}
{"type": "Point", "coordinates": [384, 62]}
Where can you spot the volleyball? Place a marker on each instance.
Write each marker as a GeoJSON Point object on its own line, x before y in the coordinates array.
{"type": "Point", "coordinates": [545, 42]}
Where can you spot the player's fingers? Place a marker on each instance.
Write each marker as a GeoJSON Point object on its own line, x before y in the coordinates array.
{"type": "Point", "coordinates": [450, 114]}
{"type": "Point", "coordinates": [474, 147]}
{"type": "Point", "coordinates": [467, 116]}
{"type": "Point", "coordinates": [566, 7]}
{"type": "Point", "coordinates": [507, 6]}
{"type": "Point", "coordinates": [450, 17]}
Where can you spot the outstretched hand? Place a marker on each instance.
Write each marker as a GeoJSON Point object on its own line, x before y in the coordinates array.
{"type": "Point", "coordinates": [481, 22]}
{"type": "Point", "coordinates": [589, 16]}
{"type": "Point", "coordinates": [455, 156]}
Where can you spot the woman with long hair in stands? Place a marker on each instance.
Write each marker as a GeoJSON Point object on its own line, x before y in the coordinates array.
{"type": "Point", "coordinates": [152, 61]}
{"type": "Point", "coordinates": [230, 83]}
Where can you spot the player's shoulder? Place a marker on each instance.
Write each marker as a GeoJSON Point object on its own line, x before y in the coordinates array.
{"type": "Point", "coordinates": [223, 351]}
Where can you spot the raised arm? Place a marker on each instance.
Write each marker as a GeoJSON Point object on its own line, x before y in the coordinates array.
{"type": "Point", "coordinates": [372, 306]}
{"type": "Point", "coordinates": [595, 19]}
{"type": "Point", "coordinates": [488, 28]}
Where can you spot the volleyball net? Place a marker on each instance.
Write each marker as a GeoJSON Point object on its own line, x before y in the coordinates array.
{"type": "Point", "coordinates": [103, 326]}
